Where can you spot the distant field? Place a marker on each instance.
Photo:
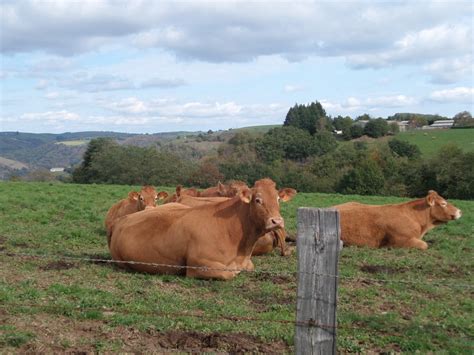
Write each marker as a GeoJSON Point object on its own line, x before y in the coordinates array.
{"type": "Point", "coordinates": [74, 143]}
{"type": "Point", "coordinates": [424, 305]}
{"type": "Point", "coordinates": [430, 141]}
{"type": "Point", "coordinates": [13, 164]}
{"type": "Point", "coordinates": [258, 129]}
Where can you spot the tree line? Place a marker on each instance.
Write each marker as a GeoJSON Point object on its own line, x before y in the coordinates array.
{"type": "Point", "coordinates": [304, 153]}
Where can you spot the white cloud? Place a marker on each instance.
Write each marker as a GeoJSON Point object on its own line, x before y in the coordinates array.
{"type": "Point", "coordinates": [87, 82]}
{"type": "Point", "coordinates": [46, 117]}
{"type": "Point", "coordinates": [459, 94]}
{"type": "Point", "coordinates": [450, 70]}
{"type": "Point", "coordinates": [422, 46]}
{"type": "Point", "coordinates": [361, 105]}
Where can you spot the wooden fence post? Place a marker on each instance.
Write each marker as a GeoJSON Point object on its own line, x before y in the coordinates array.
{"type": "Point", "coordinates": [318, 246]}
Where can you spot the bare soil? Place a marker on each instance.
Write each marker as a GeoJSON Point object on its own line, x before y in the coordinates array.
{"type": "Point", "coordinates": [58, 334]}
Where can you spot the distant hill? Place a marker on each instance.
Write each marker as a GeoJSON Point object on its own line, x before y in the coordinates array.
{"type": "Point", "coordinates": [47, 150]}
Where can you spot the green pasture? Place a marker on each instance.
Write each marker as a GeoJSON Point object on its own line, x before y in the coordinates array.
{"type": "Point", "coordinates": [74, 143]}
{"type": "Point", "coordinates": [429, 141]}
{"type": "Point", "coordinates": [390, 300]}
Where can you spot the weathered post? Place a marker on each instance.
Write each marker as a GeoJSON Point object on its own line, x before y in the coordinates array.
{"type": "Point", "coordinates": [318, 246]}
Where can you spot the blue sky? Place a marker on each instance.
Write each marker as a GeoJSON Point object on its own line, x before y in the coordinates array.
{"type": "Point", "coordinates": [155, 66]}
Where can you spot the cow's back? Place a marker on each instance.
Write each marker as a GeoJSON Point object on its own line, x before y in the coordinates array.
{"type": "Point", "coordinates": [144, 235]}
{"type": "Point", "coordinates": [363, 224]}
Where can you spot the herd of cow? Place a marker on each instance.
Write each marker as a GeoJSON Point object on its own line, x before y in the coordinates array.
{"type": "Point", "coordinates": [213, 233]}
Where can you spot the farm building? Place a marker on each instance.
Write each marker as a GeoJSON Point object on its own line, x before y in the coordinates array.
{"type": "Point", "coordinates": [440, 124]}
{"type": "Point", "coordinates": [402, 125]}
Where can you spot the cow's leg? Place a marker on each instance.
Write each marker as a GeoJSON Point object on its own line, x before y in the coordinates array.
{"type": "Point", "coordinates": [248, 265]}
{"type": "Point", "coordinates": [215, 270]}
{"type": "Point", "coordinates": [410, 243]}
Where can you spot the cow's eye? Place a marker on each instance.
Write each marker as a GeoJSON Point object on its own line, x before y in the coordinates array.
{"type": "Point", "coordinates": [443, 204]}
{"type": "Point", "coordinates": [259, 200]}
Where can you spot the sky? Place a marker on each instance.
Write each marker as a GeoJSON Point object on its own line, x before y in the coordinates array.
{"type": "Point", "coordinates": [143, 66]}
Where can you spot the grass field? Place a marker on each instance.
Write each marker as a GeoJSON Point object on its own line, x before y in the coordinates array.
{"type": "Point", "coordinates": [74, 142]}
{"type": "Point", "coordinates": [430, 141]}
{"type": "Point", "coordinates": [56, 305]}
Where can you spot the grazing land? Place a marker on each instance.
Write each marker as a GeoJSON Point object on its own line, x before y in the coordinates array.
{"type": "Point", "coordinates": [389, 299]}
{"type": "Point", "coordinates": [74, 142]}
{"type": "Point", "coordinates": [430, 141]}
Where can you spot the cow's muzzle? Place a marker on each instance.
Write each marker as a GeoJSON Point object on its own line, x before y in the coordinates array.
{"type": "Point", "coordinates": [457, 215]}
{"type": "Point", "coordinates": [274, 222]}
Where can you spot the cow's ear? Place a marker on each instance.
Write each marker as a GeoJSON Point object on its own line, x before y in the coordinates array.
{"type": "Point", "coordinates": [220, 186]}
{"type": "Point", "coordinates": [245, 195]}
{"type": "Point", "coordinates": [286, 194]}
{"type": "Point", "coordinates": [133, 196]}
{"type": "Point", "coordinates": [179, 188]}
{"type": "Point", "coordinates": [162, 195]}
{"type": "Point", "coordinates": [431, 198]}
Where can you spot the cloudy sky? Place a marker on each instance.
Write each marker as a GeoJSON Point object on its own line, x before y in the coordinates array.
{"type": "Point", "coordinates": [153, 66]}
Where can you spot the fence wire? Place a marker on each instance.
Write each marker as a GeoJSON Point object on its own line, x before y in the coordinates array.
{"type": "Point", "coordinates": [438, 282]}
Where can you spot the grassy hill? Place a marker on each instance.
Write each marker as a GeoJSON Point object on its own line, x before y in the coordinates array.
{"type": "Point", "coordinates": [389, 300]}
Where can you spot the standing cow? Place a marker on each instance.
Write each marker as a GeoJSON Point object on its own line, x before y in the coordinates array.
{"type": "Point", "coordinates": [400, 225]}
{"type": "Point", "coordinates": [219, 236]}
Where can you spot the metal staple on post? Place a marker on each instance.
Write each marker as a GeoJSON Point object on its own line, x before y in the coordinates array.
{"type": "Point", "coordinates": [318, 249]}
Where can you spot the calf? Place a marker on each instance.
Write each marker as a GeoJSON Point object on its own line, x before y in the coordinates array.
{"type": "Point", "coordinates": [219, 237]}
{"type": "Point", "coordinates": [400, 225]}
{"type": "Point", "coordinates": [136, 201]}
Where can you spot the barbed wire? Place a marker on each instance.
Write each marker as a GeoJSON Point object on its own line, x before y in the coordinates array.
{"type": "Point", "coordinates": [439, 282]}
{"type": "Point", "coordinates": [107, 311]}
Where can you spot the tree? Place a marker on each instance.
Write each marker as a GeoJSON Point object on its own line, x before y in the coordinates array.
{"type": "Point", "coordinates": [393, 128]}
{"type": "Point", "coordinates": [365, 179]}
{"type": "Point", "coordinates": [356, 131]}
{"type": "Point", "coordinates": [285, 142]}
{"type": "Point", "coordinates": [376, 128]}
{"type": "Point", "coordinates": [463, 119]}
{"type": "Point", "coordinates": [83, 174]}
{"type": "Point", "coordinates": [404, 149]}
{"type": "Point", "coordinates": [310, 118]}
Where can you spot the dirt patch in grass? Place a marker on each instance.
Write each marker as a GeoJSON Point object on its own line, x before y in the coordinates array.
{"type": "Point", "coordinates": [58, 265]}
{"type": "Point", "coordinates": [20, 245]}
{"type": "Point", "coordinates": [59, 334]}
{"type": "Point", "coordinates": [276, 279]}
{"type": "Point", "coordinates": [381, 269]}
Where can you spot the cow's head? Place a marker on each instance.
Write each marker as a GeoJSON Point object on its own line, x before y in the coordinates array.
{"type": "Point", "coordinates": [231, 189]}
{"type": "Point", "coordinates": [147, 197]}
{"type": "Point", "coordinates": [264, 200]}
{"type": "Point", "coordinates": [440, 209]}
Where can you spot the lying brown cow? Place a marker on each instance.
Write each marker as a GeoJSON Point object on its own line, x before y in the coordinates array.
{"type": "Point", "coordinates": [217, 235]}
{"type": "Point", "coordinates": [136, 201]}
{"type": "Point", "coordinates": [180, 191]}
{"type": "Point", "coordinates": [400, 225]}
{"type": "Point", "coordinates": [265, 244]}
{"type": "Point", "coordinates": [224, 190]}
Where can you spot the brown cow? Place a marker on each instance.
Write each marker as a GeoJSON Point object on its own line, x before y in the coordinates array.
{"type": "Point", "coordinates": [265, 244]}
{"type": "Point", "coordinates": [179, 192]}
{"type": "Point", "coordinates": [400, 225]}
{"type": "Point", "coordinates": [217, 235]}
{"type": "Point", "coordinates": [230, 189]}
{"type": "Point", "coordinates": [136, 201]}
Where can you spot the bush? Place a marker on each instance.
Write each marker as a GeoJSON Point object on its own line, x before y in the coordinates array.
{"type": "Point", "coordinates": [376, 128]}
{"type": "Point", "coordinates": [365, 179]}
{"type": "Point", "coordinates": [404, 149]}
